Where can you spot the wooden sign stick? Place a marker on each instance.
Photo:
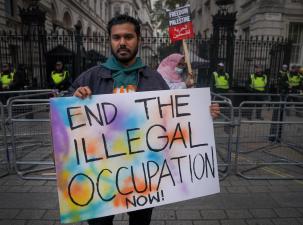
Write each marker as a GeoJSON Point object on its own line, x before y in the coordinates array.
{"type": "Point", "coordinates": [186, 55]}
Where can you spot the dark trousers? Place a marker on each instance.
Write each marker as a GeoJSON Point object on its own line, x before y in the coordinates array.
{"type": "Point", "coordinates": [258, 106]}
{"type": "Point", "coordinates": [277, 115]}
{"type": "Point", "coordinates": [139, 217]}
{"type": "Point", "coordinates": [294, 99]}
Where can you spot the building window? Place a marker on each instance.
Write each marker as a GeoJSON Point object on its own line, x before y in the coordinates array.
{"type": "Point", "coordinates": [207, 7]}
{"type": "Point", "coordinates": [126, 10]}
{"type": "Point", "coordinates": [101, 8]}
{"type": "Point", "coordinates": [106, 10]}
{"type": "Point", "coordinates": [246, 32]}
{"type": "Point", "coordinates": [117, 10]}
{"type": "Point", "coordinates": [9, 8]}
{"type": "Point", "coordinates": [296, 36]}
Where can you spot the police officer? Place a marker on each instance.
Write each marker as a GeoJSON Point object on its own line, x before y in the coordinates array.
{"type": "Point", "coordinates": [278, 112]}
{"type": "Point", "coordinates": [283, 80]}
{"type": "Point", "coordinates": [60, 78]}
{"type": "Point", "coordinates": [301, 71]}
{"type": "Point", "coordinates": [7, 77]}
{"type": "Point", "coordinates": [220, 80]}
{"type": "Point", "coordinates": [294, 80]}
{"type": "Point", "coordinates": [257, 83]}
{"type": "Point", "coordinates": [294, 86]}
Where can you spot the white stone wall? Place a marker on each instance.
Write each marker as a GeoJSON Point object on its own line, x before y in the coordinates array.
{"type": "Point", "coordinates": [273, 20]}
{"type": "Point", "coordinates": [92, 14]}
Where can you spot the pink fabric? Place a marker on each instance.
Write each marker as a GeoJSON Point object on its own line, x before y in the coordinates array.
{"type": "Point", "coordinates": [167, 68]}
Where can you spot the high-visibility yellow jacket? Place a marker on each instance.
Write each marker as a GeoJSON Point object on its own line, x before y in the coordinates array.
{"type": "Point", "coordinates": [59, 77]}
{"type": "Point", "coordinates": [221, 81]}
{"type": "Point", "coordinates": [294, 80]}
{"type": "Point", "coordinates": [258, 82]}
{"type": "Point", "coordinates": [6, 79]}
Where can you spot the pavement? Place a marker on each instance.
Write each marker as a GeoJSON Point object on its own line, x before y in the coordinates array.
{"type": "Point", "coordinates": [240, 202]}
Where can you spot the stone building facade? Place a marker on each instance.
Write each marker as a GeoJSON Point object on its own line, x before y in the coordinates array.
{"type": "Point", "coordinates": [62, 16]}
{"type": "Point", "coordinates": [277, 18]}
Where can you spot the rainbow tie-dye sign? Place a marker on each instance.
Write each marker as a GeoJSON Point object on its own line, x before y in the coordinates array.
{"type": "Point", "coordinates": [123, 152]}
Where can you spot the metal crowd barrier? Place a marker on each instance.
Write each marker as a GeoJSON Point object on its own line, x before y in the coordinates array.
{"type": "Point", "coordinates": [6, 95]}
{"type": "Point", "coordinates": [4, 162]}
{"type": "Point", "coordinates": [269, 142]}
{"type": "Point", "coordinates": [5, 134]}
{"type": "Point", "coordinates": [31, 142]}
{"type": "Point", "coordinates": [29, 129]}
{"type": "Point", "coordinates": [261, 140]}
{"type": "Point", "coordinates": [223, 129]}
{"type": "Point", "coordinates": [237, 98]}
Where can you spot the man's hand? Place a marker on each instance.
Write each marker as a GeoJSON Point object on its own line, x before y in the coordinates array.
{"type": "Point", "coordinates": [83, 92]}
{"type": "Point", "coordinates": [214, 110]}
{"type": "Point", "coordinates": [189, 82]}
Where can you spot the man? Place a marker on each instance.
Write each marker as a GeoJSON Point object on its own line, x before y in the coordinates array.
{"type": "Point", "coordinates": [220, 83]}
{"type": "Point", "coordinates": [6, 77]}
{"type": "Point", "coordinates": [278, 112]}
{"type": "Point", "coordinates": [301, 71]}
{"type": "Point", "coordinates": [60, 78]}
{"type": "Point", "coordinates": [283, 80]}
{"type": "Point", "coordinates": [257, 84]}
{"type": "Point", "coordinates": [220, 80]}
{"type": "Point", "coordinates": [301, 75]}
{"type": "Point", "coordinates": [122, 72]}
{"type": "Point", "coordinates": [294, 80]}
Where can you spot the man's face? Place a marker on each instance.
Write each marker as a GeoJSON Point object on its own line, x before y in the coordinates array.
{"type": "Point", "coordinates": [258, 70]}
{"type": "Point", "coordinates": [5, 68]}
{"type": "Point", "coordinates": [181, 64]}
{"type": "Point", "coordinates": [59, 67]}
{"type": "Point", "coordinates": [124, 43]}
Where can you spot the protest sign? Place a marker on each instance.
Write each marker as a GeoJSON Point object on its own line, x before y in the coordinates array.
{"type": "Point", "coordinates": [180, 24]}
{"type": "Point", "coordinates": [123, 152]}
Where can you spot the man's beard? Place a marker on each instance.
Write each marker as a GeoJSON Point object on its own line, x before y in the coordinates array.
{"type": "Point", "coordinates": [125, 59]}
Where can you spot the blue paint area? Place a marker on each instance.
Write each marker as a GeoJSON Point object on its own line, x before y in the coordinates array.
{"type": "Point", "coordinates": [130, 121]}
{"type": "Point", "coordinates": [155, 156]}
{"type": "Point", "coordinates": [62, 103]}
{"type": "Point", "coordinates": [94, 209]}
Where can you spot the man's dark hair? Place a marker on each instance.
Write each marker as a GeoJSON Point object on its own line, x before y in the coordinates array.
{"type": "Point", "coordinates": [121, 19]}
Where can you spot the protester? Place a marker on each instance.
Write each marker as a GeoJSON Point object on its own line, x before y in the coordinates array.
{"type": "Point", "coordinates": [173, 70]}
{"type": "Point", "coordinates": [122, 72]}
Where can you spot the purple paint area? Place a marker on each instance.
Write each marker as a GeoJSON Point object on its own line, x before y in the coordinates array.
{"type": "Point", "coordinates": [60, 136]}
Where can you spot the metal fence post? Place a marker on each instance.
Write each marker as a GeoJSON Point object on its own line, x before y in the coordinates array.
{"type": "Point", "coordinates": [78, 39]}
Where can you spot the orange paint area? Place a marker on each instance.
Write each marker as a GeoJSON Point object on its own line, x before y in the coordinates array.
{"type": "Point", "coordinates": [91, 150]}
{"type": "Point", "coordinates": [81, 191]}
{"type": "Point", "coordinates": [128, 89]}
{"type": "Point", "coordinates": [119, 200]}
{"type": "Point", "coordinates": [177, 134]}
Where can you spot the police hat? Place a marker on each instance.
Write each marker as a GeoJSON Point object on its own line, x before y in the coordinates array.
{"type": "Point", "coordinates": [221, 64]}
